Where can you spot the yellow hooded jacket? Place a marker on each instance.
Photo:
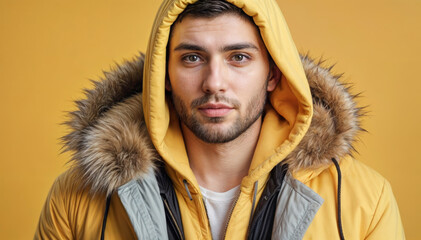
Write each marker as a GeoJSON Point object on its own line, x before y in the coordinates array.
{"type": "Point", "coordinates": [123, 128]}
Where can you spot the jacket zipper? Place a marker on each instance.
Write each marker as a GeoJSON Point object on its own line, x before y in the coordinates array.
{"type": "Point", "coordinates": [173, 218]}
{"type": "Point", "coordinates": [229, 216]}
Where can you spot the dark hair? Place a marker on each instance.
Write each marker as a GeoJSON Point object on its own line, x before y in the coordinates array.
{"type": "Point", "coordinates": [211, 9]}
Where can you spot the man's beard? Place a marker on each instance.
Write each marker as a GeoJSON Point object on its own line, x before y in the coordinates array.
{"type": "Point", "coordinates": [254, 110]}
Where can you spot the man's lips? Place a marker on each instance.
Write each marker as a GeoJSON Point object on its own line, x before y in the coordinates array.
{"type": "Point", "coordinates": [215, 109]}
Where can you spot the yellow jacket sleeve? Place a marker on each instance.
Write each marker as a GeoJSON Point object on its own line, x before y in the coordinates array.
{"type": "Point", "coordinates": [54, 222]}
{"type": "Point", "coordinates": [386, 222]}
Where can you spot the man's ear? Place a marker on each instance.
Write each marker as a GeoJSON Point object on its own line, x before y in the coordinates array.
{"type": "Point", "coordinates": [167, 84]}
{"type": "Point", "coordinates": [274, 78]}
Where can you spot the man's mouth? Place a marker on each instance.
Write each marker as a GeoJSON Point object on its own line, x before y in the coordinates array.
{"type": "Point", "coordinates": [215, 109]}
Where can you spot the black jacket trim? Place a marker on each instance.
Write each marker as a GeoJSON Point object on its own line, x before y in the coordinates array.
{"type": "Point", "coordinates": [172, 209]}
{"type": "Point", "coordinates": [262, 223]}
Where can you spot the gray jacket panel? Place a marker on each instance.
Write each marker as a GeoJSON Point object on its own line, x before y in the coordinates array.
{"type": "Point", "coordinates": [143, 204]}
{"type": "Point", "coordinates": [296, 207]}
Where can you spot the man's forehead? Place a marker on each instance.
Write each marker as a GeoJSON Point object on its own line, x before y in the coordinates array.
{"type": "Point", "coordinates": [226, 29]}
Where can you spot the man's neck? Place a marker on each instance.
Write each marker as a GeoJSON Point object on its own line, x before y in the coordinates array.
{"type": "Point", "coordinates": [220, 167]}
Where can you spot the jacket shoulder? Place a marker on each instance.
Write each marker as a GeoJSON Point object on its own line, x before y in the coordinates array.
{"type": "Point", "coordinates": [70, 186]}
{"type": "Point", "coordinates": [362, 173]}
{"type": "Point", "coordinates": [73, 211]}
{"type": "Point", "coordinates": [371, 188]}
{"type": "Point", "coordinates": [368, 207]}
{"type": "Point", "coordinates": [60, 216]}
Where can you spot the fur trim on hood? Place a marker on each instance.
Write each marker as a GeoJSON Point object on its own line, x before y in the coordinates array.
{"type": "Point", "coordinates": [110, 144]}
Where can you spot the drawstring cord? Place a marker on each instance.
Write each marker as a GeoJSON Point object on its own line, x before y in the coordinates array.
{"type": "Point", "coordinates": [187, 189]}
{"type": "Point", "coordinates": [104, 221]}
{"type": "Point", "coordinates": [254, 202]}
{"type": "Point", "coordinates": [341, 233]}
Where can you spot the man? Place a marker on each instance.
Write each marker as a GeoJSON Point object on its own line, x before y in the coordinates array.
{"type": "Point", "coordinates": [229, 144]}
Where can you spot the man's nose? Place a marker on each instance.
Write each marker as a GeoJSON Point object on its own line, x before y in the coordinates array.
{"type": "Point", "coordinates": [215, 78]}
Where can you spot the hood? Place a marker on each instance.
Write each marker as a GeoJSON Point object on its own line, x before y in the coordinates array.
{"type": "Point", "coordinates": [111, 145]}
{"type": "Point", "coordinates": [287, 117]}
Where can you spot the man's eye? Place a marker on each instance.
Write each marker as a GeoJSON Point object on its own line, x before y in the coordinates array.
{"type": "Point", "coordinates": [191, 58]}
{"type": "Point", "coordinates": [239, 58]}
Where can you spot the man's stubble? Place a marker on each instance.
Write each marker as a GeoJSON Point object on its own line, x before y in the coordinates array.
{"type": "Point", "coordinates": [254, 110]}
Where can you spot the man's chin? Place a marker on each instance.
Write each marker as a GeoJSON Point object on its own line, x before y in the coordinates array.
{"type": "Point", "coordinates": [210, 133]}
{"type": "Point", "coordinates": [214, 120]}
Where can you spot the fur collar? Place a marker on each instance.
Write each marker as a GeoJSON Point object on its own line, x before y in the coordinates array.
{"type": "Point", "coordinates": [110, 144]}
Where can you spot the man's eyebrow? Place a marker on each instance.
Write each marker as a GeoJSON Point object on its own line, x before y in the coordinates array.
{"type": "Point", "coordinates": [233, 47]}
{"type": "Point", "coordinates": [187, 46]}
{"type": "Point", "coordinates": [239, 46]}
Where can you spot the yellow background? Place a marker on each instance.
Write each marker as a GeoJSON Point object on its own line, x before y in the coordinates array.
{"type": "Point", "coordinates": [50, 48]}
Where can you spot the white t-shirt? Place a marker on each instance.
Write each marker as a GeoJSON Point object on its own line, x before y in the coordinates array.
{"type": "Point", "coordinates": [219, 206]}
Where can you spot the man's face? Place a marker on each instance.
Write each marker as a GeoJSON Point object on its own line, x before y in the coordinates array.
{"type": "Point", "coordinates": [219, 76]}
